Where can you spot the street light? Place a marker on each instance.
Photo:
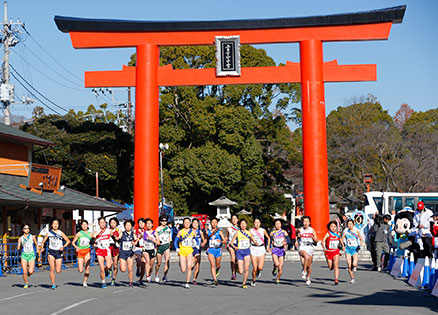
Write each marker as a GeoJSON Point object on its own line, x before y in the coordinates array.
{"type": "Point", "coordinates": [163, 147]}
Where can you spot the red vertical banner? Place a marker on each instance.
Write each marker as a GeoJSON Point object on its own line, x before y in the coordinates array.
{"type": "Point", "coordinates": [315, 170]}
{"type": "Point", "coordinates": [146, 161]}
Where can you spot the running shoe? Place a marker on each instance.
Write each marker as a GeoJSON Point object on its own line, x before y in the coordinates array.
{"type": "Point", "coordinates": [216, 283]}
{"type": "Point", "coordinates": [233, 276]}
{"type": "Point", "coordinates": [336, 281]}
{"type": "Point", "coordinates": [26, 286]}
{"type": "Point", "coordinates": [352, 281]}
{"type": "Point", "coordinates": [113, 282]}
{"type": "Point", "coordinates": [259, 273]}
{"type": "Point", "coordinates": [103, 285]}
{"type": "Point", "coordinates": [187, 286]}
{"type": "Point", "coordinates": [84, 284]}
{"type": "Point", "coordinates": [244, 286]}
{"type": "Point", "coordinates": [140, 282]}
{"type": "Point", "coordinates": [217, 271]}
{"type": "Point", "coordinates": [277, 281]}
{"type": "Point", "coordinates": [53, 286]}
{"type": "Point", "coordinates": [253, 283]}
{"type": "Point", "coordinates": [274, 272]}
{"type": "Point", "coordinates": [157, 279]}
{"type": "Point", "coordinates": [355, 269]}
{"type": "Point", "coordinates": [308, 282]}
{"type": "Point", "coordinates": [165, 279]}
{"type": "Point", "coordinates": [379, 269]}
{"type": "Point", "coordinates": [303, 275]}
{"type": "Point", "coordinates": [194, 282]}
{"type": "Point", "coordinates": [130, 284]}
{"type": "Point", "coordinates": [148, 279]}
{"type": "Point", "coordinates": [108, 273]}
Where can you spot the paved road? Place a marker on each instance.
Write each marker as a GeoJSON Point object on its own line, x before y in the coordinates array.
{"type": "Point", "coordinates": [373, 292]}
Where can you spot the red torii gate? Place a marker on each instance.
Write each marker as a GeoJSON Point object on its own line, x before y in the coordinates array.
{"type": "Point", "coordinates": [312, 72]}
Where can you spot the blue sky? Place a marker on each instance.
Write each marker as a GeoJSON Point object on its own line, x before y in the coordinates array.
{"type": "Point", "coordinates": [407, 63]}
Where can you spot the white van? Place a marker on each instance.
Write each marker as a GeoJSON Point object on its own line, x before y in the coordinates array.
{"type": "Point", "coordinates": [385, 202]}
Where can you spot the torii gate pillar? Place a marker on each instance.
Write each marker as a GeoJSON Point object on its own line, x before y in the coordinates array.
{"type": "Point", "coordinates": [315, 172]}
{"type": "Point", "coordinates": [147, 137]}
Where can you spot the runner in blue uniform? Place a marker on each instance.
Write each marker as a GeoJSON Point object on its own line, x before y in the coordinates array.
{"type": "Point", "coordinates": [198, 243]}
{"type": "Point", "coordinates": [215, 239]}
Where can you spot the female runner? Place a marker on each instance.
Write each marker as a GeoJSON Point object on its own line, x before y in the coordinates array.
{"type": "Point", "coordinates": [183, 244]}
{"type": "Point", "coordinates": [215, 239]}
{"type": "Point", "coordinates": [164, 233]}
{"type": "Point", "coordinates": [138, 250]}
{"type": "Point", "coordinates": [352, 239]}
{"type": "Point", "coordinates": [126, 252]}
{"type": "Point", "coordinates": [81, 242]}
{"type": "Point", "coordinates": [198, 243]}
{"type": "Point", "coordinates": [56, 248]}
{"type": "Point", "coordinates": [231, 231]}
{"type": "Point", "coordinates": [330, 244]}
{"type": "Point", "coordinates": [258, 250]}
{"type": "Point", "coordinates": [279, 245]}
{"type": "Point", "coordinates": [27, 242]}
{"type": "Point", "coordinates": [150, 242]}
{"type": "Point", "coordinates": [243, 252]}
{"type": "Point", "coordinates": [114, 247]}
{"type": "Point", "coordinates": [307, 237]}
{"type": "Point", "coordinates": [101, 240]}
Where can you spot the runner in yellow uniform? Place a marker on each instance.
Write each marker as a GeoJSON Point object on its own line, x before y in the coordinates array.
{"type": "Point", "coordinates": [183, 244]}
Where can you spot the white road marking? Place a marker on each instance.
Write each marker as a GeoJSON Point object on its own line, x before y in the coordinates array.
{"type": "Point", "coordinates": [17, 296]}
{"type": "Point", "coordinates": [118, 291]}
{"type": "Point", "coordinates": [62, 310]}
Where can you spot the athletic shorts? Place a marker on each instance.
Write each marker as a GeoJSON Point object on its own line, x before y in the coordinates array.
{"type": "Point", "coordinates": [351, 250]}
{"type": "Point", "coordinates": [307, 249]}
{"type": "Point", "coordinates": [185, 251]}
{"type": "Point", "coordinates": [196, 251]}
{"type": "Point", "coordinates": [278, 251]}
{"type": "Point", "coordinates": [242, 253]}
{"type": "Point", "coordinates": [55, 253]}
{"type": "Point", "coordinates": [28, 256]}
{"type": "Point", "coordinates": [216, 252]}
{"type": "Point", "coordinates": [103, 252]}
{"type": "Point", "coordinates": [138, 251]}
{"type": "Point", "coordinates": [258, 250]}
{"type": "Point", "coordinates": [114, 251]}
{"type": "Point", "coordinates": [151, 252]}
{"type": "Point", "coordinates": [162, 248]}
{"type": "Point", "coordinates": [125, 254]}
{"type": "Point", "coordinates": [330, 254]}
{"type": "Point", "coordinates": [81, 253]}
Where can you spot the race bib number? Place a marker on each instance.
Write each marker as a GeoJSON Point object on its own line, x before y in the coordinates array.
{"type": "Point", "coordinates": [164, 238]}
{"type": "Point", "coordinates": [103, 244]}
{"type": "Point", "coordinates": [244, 244]}
{"type": "Point", "coordinates": [195, 243]}
{"type": "Point", "coordinates": [333, 244]}
{"type": "Point", "coordinates": [126, 246]}
{"type": "Point", "coordinates": [188, 242]}
{"type": "Point", "coordinates": [149, 246]}
{"type": "Point", "coordinates": [214, 243]}
{"type": "Point", "coordinates": [84, 241]}
{"type": "Point", "coordinates": [351, 242]}
{"type": "Point", "coordinates": [278, 242]}
{"type": "Point", "coordinates": [55, 243]}
{"type": "Point", "coordinates": [28, 248]}
{"type": "Point", "coordinates": [140, 243]}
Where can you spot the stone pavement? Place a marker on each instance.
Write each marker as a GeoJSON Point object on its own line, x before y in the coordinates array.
{"type": "Point", "coordinates": [373, 293]}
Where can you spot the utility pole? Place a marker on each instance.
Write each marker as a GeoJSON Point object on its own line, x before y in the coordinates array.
{"type": "Point", "coordinates": [129, 112]}
{"type": "Point", "coordinates": [8, 39]}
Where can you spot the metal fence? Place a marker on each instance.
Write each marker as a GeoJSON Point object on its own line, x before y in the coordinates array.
{"type": "Point", "coordinates": [10, 257]}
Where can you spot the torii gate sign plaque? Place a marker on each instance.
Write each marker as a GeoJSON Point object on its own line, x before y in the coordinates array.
{"type": "Point", "coordinates": [311, 71]}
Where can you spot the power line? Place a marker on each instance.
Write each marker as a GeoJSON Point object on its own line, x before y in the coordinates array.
{"type": "Point", "coordinates": [42, 48]}
{"type": "Point", "coordinates": [47, 76]}
{"type": "Point", "coordinates": [60, 107]}
{"type": "Point", "coordinates": [44, 63]}
{"type": "Point", "coordinates": [53, 110]}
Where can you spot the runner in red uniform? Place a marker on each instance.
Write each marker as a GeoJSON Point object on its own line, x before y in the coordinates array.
{"type": "Point", "coordinates": [114, 247]}
{"type": "Point", "coordinates": [330, 243]}
{"type": "Point", "coordinates": [101, 240]}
